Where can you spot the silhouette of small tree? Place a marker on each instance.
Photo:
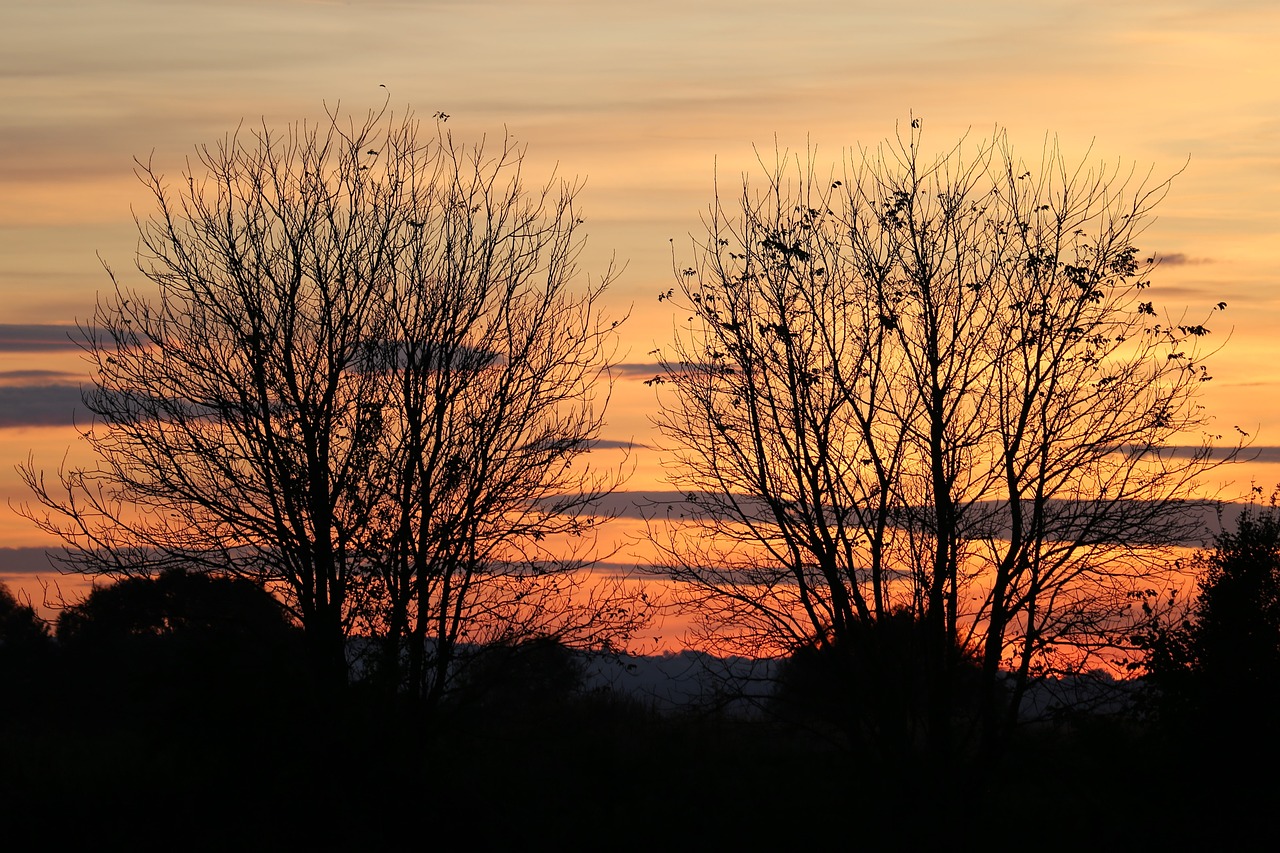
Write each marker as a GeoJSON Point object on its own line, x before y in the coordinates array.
{"type": "Point", "coordinates": [195, 642]}
{"type": "Point", "coordinates": [1214, 673]}
{"type": "Point", "coordinates": [871, 687]}
{"type": "Point", "coordinates": [176, 603]}
{"type": "Point", "coordinates": [532, 676]}
{"type": "Point", "coordinates": [24, 648]}
{"type": "Point", "coordinates": [21, 629]}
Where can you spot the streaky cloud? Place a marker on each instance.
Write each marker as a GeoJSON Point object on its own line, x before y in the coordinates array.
{"type": "Point", "coordinates": [636, 370]}
{"type": "Point", "coordinates": [1177, 259]}
{"type": "Point", "coordinates": [612, 444]}
{"type": "Point", "coordinates": [1249, 453]}
{"type": "Point", "coordinates": [38, 377]}
{"type": "Point", "coordinates": [26, 561]}
{"type": "Point", "coordinates": [39, 405]}
{"type": "Point", "coordinates": [1199, 520]}
{"type": "Point", "coordinates": [656, 372]}
{"type": "Point", "coordinates": [38, 337]}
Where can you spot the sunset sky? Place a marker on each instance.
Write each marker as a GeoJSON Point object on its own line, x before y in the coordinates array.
{"type": "Point", "coordinates": [646, 102]}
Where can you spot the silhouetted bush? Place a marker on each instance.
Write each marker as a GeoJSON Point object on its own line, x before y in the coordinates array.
{"type": "Point", "coordinates": [176, 603]}
{"type": "Point", "coordinates": [21, 630]}
{"type": "Point", "coordinates": [531, 676]}
{"type": "Point", "coordinates": [874, 692]}
{"type": "Point", "coordinates": [1215, 675]}
{"type": "Point", "coordinates": [187, 643]}
{"type": "Point", "coordinates": [24, 651]}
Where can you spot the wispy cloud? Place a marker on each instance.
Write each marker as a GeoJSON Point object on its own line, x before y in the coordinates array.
{"type": "Point", "coordinates": [1194, 524]}
{"type": "Point", "coordinates": [1177, 259]}
{"type": "Point", "coordinates": [609, 444]}
{"type": "Point", "coordinates": [37, 377]}
{"type": "Point", "coordinates": [636, 370]}
{"type": "Point", "coordinates": [38, 405]}
{"type": "Point", "coordinates": [36, 337]}
{"type": "Point", "coordinates": [649, 370]}
{"type": "Point", "coordinates": [24, 561]}
{"type": "Point", "coordinates": [1252, 453]}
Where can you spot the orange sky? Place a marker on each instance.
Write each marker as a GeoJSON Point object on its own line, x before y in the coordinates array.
{"type": "Point", "coordinates": [646, 101]}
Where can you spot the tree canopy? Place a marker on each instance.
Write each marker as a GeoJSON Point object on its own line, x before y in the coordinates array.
{"type": "Point", "coordinates": [366, 372]}
{"type": "Point", "coordinates": [938, 386]}
{"type": "Point", "coordinates": [1214, 670]}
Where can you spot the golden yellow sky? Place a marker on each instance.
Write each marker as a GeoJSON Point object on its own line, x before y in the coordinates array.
{"type": "Point", "coordinates": [646, 101]}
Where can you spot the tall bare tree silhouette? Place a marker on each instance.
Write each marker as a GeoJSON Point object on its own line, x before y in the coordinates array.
{"type": "Point", "coordinates": [938, 386]}
{"type": "Point", "coordinates": [367, 373]}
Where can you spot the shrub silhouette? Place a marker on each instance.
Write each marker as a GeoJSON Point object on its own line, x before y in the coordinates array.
{"type": "Point", "coordinates": [1214, 673]}
{"type": "Point", "coordinates": [21, 630]}
{"type": "Point", "coordinates": [186, 641]}
{"type": "Point", "coordinates": [532, 675]}
{"type": "Point", "coordinates": [873, 692]}
{"type": "Point", "coordinates": [24, 651]}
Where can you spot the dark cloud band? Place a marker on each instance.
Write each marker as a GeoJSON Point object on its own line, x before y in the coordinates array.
{"type": "Point", "coordinates": [34, 337]}
{"type": "Point", "coordinates": [39, 405]}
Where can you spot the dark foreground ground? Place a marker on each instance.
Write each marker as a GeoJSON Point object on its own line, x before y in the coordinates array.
{"type": "Point", "coordinates": [159, 765]}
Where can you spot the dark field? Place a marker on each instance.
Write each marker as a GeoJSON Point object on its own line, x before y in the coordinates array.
{"type": "Point", "coordinates": [195, 752]}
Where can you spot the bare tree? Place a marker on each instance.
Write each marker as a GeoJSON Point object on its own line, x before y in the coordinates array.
{"type": "Point", "coordinates": [493, 512]}
{"type": "Point", "coordinates": [365, 376]}
{"type": "Point", "coordinates": [938, 387]}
